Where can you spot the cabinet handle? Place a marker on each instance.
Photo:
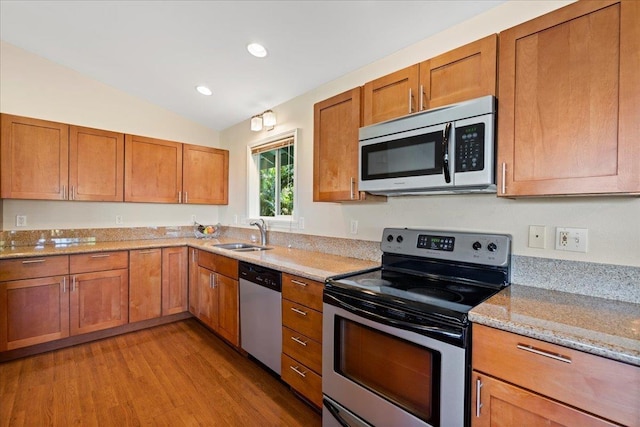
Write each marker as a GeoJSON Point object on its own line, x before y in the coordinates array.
{"type": "Point", "coordinates": [503, 188]}
{"type": "Point", "coordinates": [64, 192]}
{"type": "Point", "coordinates": [101, 256]}
{"type": "Point", "coordinates": [410, 100]}
{"type": "Point", "coordinates": [33, 261]}
{"type": "Point", "coordinates": [352, 188]}
{"type": "Point", "coordinates": [478, 400]}
{"type": "Point", "coordinates": [212, 280]}
{"type": "Point", "coordinates": [299, 341]}
{"type": "Point", "coordinates": [150, 251]}
{"type": "Point", "coordinates": [298, 311]}
{"type": "Point", "coordinates": [555, 356]}
{"type": "Point", "coordinates": [64, 284]}
{"type": "Point", "coordinates": [186, 197]}
{"type": "Point", "coordinates": [179, 196]}
{"type": "Point", "coordinates": [299, 283]}
{"type": "Point", "coordinates": [73, 284]}
{"type": "Point", "coordinates": [421, 97]}
{"type": "Point", "coordinates": [72, 193]}
{"type": "Point", "coordinates": [297, 370]}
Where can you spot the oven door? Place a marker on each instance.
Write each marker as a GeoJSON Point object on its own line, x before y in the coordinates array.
{"type": "Point", "coordinates": [386, 376]}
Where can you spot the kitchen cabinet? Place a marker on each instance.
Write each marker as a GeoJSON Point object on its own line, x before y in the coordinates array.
{"type": "Point", "coordinates": [524, 381]}
{"type": "Point", "coordinates": [218, 295]}
{"type": "Point", "coordinates": [302, 336]}
{"type": "Point", "coordinates": [458, 75]}
{"type": "Point", "coordinates": [335, 148]}
{"type": "Point", "coordinates": [99, 296]}
{"type": "Point", "coordinates": [34, 301]}
{"type": "Point", "coordinates": [54, 161]}
{"type": "Point", "coordinates": [175, 280]}
{"type": "Point", "coordinates": [205, 175]}
{"type": "Point", "coordinates": [145, 284]}
{"type": "Point", "coordinates": [152, 170]}
{"type": "Point", "coordinates": [569, 95]}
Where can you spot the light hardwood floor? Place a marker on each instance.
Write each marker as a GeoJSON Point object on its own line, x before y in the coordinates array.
{"type": "Point", "coordinates": [178, 374]}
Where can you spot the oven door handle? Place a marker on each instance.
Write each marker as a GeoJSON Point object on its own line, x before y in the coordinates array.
{"type": "Point", "coordinates": [445, 153]}
{"type": "Point", "coordinates": [394, 322]}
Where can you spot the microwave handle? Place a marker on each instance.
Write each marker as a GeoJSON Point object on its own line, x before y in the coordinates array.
{"type": "Point", "coordinates": [445, 153]}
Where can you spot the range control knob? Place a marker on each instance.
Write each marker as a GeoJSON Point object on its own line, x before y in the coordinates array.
{"type": "Point", "coordinates": [389, 238]}
{"type": "Point", "coordinates": [492, 247]}
{"type": "Point", "coordinates": [476, 246]}
{"type": "Point", "coordinates": [399, 239]}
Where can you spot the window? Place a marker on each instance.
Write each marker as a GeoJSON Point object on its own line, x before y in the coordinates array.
{"type": "Point", "coordinates": [272, 178]}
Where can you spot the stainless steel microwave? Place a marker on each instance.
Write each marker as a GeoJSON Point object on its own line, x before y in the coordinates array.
{"type": "Point", "coordinates": [444, 150]}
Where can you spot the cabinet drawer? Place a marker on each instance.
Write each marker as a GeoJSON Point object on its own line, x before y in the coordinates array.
{"type": "Point", "coordinates": [302, 379]}
{"type": "Point", "coordinates": [30, 268]}
{"type": "Point", "coordinates": [98, 261]}
{"type": "Point", "coordinates": [595, 384]}
{"type": "Point", "coordinates": [218, 263]}
{"type": "Point", "coordinates": [304, 291]}
{"type": "Point", "coordinates": [302, 319]}
{"type": "Point", "coordinates": [302, 349]}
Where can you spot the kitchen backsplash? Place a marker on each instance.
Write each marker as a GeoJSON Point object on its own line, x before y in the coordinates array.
{"type": "Point", "coordinates": [616, 282]}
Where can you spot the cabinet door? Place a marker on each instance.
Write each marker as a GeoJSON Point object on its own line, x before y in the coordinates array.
{"type": "Point", "coordinates": [174, 280]}
{"type": "Point", "coordinates": [152, 170]}
{"type": "Point", "coordinates": [207, 298]}
{"type": "Point", "coordinates": [569, 100]}
{"type": "Point", "coordinates": [99, 300]}
{"type": "Point", "coordinates": [194, 282]}
{"type": "Point", "coordinates": [205, 175]}
{"type": "Point", "coordinates": [502, 404]}
{"type": "Point", "coordinates": [145, 284]}
{"type": "Point", "coordinates": [467, 72]}
{"type": "Point", "coordinates": [33, 311]}
{"type": "Point", "coordinates": [34, 156]}
{"type": "Point", "coordinates": [391, 96]}
{"type": "Point", "coordinates": [96, 165]}
{"type": "Point", "coordinates": [335, 147]}
{"type": "Point", "coordinates": [228, 309]}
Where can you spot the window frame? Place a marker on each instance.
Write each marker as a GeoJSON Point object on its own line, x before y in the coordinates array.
{"type": "Point", "coordinates": [253, 181]}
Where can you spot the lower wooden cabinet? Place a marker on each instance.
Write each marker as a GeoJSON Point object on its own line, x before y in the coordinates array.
{"type": "Point", "coordinates": [145, 284]}
{"type": "Point", "coordinates": [175, 279]}
{"type": "Point", "coordinates": [302, 379]}
{"type": "Point", "coordinates": [518, 380]}
{"type": "Point", "coordinates": [214, 297]}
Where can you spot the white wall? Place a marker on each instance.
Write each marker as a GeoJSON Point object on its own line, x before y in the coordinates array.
{"type": "Point", "coordinates": [613, 222]}
{"type": "Point", "coordinates": [35, 87]}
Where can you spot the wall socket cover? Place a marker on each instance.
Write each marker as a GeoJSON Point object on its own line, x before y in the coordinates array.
{"type": "Point", "coordinates": [21, 220]}
{"type": "Point", "coordinates": [571, 239]}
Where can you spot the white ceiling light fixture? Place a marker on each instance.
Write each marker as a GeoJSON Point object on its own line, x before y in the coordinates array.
{"type": "Point", "coordinates": [204, 90]}
{"type": "Point", "coordinates": [266, 119]}
{"type": "Point", "coordinates": [257, 50]}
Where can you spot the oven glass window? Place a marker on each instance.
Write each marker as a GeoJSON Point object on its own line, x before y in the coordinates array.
{"type": "Point", "coordinates": [411, 156]}
{"type": "Point", "coordinates": [400, 371]}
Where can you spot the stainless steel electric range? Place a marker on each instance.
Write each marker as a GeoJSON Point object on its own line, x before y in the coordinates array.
{"type": "Point", "coordinates": [396, 339]}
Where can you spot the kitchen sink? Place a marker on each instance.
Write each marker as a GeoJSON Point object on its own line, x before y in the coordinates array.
{"type": "Point", "coordinates": [241, 247]}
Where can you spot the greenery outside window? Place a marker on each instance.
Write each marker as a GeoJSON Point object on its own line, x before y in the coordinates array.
{"type": "Point", "coordinates": [272, 180]}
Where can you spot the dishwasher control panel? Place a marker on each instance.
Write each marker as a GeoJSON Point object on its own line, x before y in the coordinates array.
{"type": "Point", "coordinates": [264, 276]}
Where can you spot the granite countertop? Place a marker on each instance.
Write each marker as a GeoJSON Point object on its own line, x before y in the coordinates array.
{"type": "Point", "coordinates": [598, 326]}
{"type": "Point", "coordinates": [312, 265]}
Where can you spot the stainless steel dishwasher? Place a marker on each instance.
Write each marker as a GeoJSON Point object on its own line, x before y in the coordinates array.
{"type": "Point", "coordinates": [261, 313]}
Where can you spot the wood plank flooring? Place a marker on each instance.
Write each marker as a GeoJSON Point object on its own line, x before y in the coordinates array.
{"type": "Point", "coordinates": [178, 374]}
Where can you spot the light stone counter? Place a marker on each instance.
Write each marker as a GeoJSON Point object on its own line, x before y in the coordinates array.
{"type": "Point", "coordinates": [598, 326]}
{"type": "Point", "coordinates": [310, 264]}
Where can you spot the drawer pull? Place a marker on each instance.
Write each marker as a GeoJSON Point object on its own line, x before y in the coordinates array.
{"type": "Point", "coordinates": [297, 370]}
{"type": "Point", "coordinates": [101, 256]}
{"type": "Point", "coordinates": [299, 341]}
{"type": "Point", "coordinates": [298, 311]}
{"type": "Point", "coordinates": [299, 283]}
{"type": "Point", "coordinates": [150, 251]}
{"type": "Point", "coordinates": [478, 400]}
{"type": "Point", "coordinates": [544, 353]}
{"type": "Point", "coordinates": [33, 261]}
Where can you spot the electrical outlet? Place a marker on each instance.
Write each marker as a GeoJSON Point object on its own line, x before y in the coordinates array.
{"type": "Point", "coordinates": [193, 218]}
{"type": "Point", "coordinates": [118, 219]}
{"type": "Point", "coordinates": [537, 236]}
{"type": "Point", "coordinates": [571, 239]}
{"type": "Point", "coordinates": [21, 220]}
{"type": "Point", "coordinates": [354, 226]}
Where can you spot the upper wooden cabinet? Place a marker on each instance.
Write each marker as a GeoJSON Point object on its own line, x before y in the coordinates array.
{"type": "Point", "coordinates": [569, 97]}
{"type": "Point", "coordinates": [152, 170]}
{"type": "Point", "coordinates": [458, 75]}
{"type": "Point", "coordinates": [335, 147]}
{"type": "Point", "coordinates": [205, 178]}
{"type": "Point", "coordinates": [54, 161]}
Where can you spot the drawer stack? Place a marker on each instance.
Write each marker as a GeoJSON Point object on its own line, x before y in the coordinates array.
{"type": "Point", "coordinates": [302, 336]}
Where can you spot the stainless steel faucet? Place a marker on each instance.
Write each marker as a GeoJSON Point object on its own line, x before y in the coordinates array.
{"type": "Point", "coordinates": [262, 226]}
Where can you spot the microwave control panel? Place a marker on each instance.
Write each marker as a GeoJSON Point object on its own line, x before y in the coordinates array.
{"type": "Point", "coordinates": [470, 148]}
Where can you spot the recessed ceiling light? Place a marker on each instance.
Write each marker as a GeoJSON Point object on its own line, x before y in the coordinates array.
{"type": "Point", "coordinates": [204, 90]}
{"type": "Point", "coordinates": [257, 50]}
